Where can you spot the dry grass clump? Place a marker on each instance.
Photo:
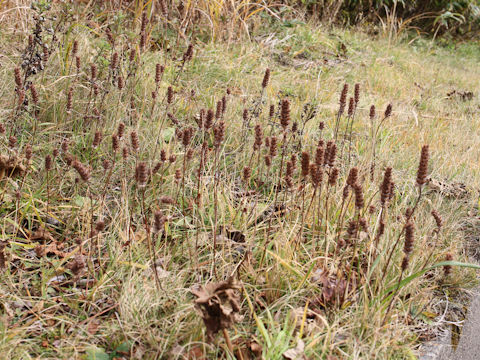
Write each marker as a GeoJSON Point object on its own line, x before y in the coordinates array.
{"type": "Point", "coordinates": [133, 189]}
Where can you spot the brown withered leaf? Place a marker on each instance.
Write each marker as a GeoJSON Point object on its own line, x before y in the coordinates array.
{"type": "Point", "coordinates": [54, 248]}
{"type": "Point", "coordinates": [77, 264]}
{"type": "Point", "coordinates": [233, 234]}
{"type": "Point", "coordinates": [297, 353]}
{"type": "Point", "coordinates": [218, 304]}
{"type": "Point", "coordinates": [11, 166]}
{"type": "Point", "coordinates": [247, 349]}
{"type": "Point", "coordinates": [41, 234]}
{"type": "Point", "coordinates": [333, 288]}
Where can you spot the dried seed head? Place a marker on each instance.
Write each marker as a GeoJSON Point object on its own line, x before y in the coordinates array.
{"type": "Point", "coordinates": [224, 104]}
{"type": "Point", "coordinates": [245, 115]}
{"type": "Point", "coordinates": [351, 106]}
{"type": "Point", "coordinates": [106, 164]}
{"type": "Point", "coordinates": [352, 176]}
{"type": "Point", "coordinates": [188, 55]}
{"type": "Point", "coordinates": [332, 153]}
{"type": "Point", "coordinates": [409, 238]}
{"type": "Point", "coordinates": [372, 112]}
{"type": "Point", "coordinates": [388, 110]}
{"type": "Point", "coordinates": [189, 154]}
{"type": "Point", "coordinates": [209, 120]}
{"type": "Point", "coordinates": [247, 172]}
{"type": "Point", "coordinates": [28, 152]}
{"type": "Point", "coordinates": [169, 95]}
{"type": "Point", "coordinates": [132, 55]}
{"type": "Point", "coordinates": [48, 162]}
{"type": "Point", "coordinates": [405, 261]}
{"type": "Point", "coordinates": [110, 37]}
{"type": "Point", "coordinates": [273, 146]}
{"type": "Point", "coordinates": [156, 168]}
{"type": "Point", "coordinates": [316, 173]}
{"type": "Point", "coordinates": [97, 139]}
{"type": "Point", "coordinates": [93, 71]}
{"type": "Point", "coordinates": [141, 174]}
{"type": "Point", "coordinates": [305, 164]}
{"type": "Point", "coordinates": [167, 200]}
{"type": "Point", "coordinates": [187, 136]}
{"type": "Point", "coordinates": [158, 222]}
{"type": "Point", "coordinates": [134, 141]}
{"type": "Point", "coordinates": [2, 128]}
{"type": "Point", "coordinates": [290, 169]}
{"type": "Point", "coordinates": [82, 170]}
{"type": "Point", "coordinates": [12, 142]}
{"type": "Point", "coordinates": [163, 8]}
{"type": "Point", "coordinates": [294, 127]}
{"type": "Point", "coordinates": [345, 192]}
{"type": "Point", "coordinates": [69, 100]}
{"type": "Point", "coordinates": [351, 230]}
{"type": "Point", "coordinates": [285, 114]}
{"type": "Point", "coordinates": [385, 187]}
{"type": "Point", "coordinates": [357, 94]}
{"type": "Point", "coordinates": [114, 61]}
{"type": "Point", "coordinates": [159, 69]}
{"type": "Point", "coordinates": [115, 143]}
{"type": "Point", "coordinates": [343, 99]}
{"type": "Point", "coordinates": [143, 25]}
{"type": "Point", "coordinates": [423, 166]}
{"type": "Point", "coordinates": [359, 200]}
{"type": "Point", "coordinates": [69, 159]}
{"type": "Point", "coordinates": [321, 125]}
{"type": "Point", "coordinates": [21, 97]}
{"type": "Point", "coordinates": [18, 77]}
{"type": "Point", "coordinates": [95, 89]}
{"type": "Point", "coordinates": [438, 218]}
{"type": "Point", "coordinates": [219, 133]}
{"type": "Point", "coordinates": [219, 112]}
{"type": "Point", "coordinates": [268, 160]}
{"type": "Point", "coordinates": [125, 153]}
{"type": "Point", "coordinates": [143, 40]}
{"type": "Point", "coordinates": [178, 175]}
{"type": "Point", "coordinates": [172, 158]}
{"type": "Point", "coordinates": [33, 91]}
{"type": "Point", "coordinates": [65, 145]}
{"type": "Point", "coordinates": [363, 224]}
{"type": "Point", "coordinates": [163, 155]}
{"type": "Point", "coordinates": [266, 78]}
{"type": "Point", "coordinates": [289, 181]}
{"type": "Point", "coordinates": [120, 83]}
{"type": "Point", "coordinates": [392, 191]}
{"type": "Point", "coordinates": [75, 48]}
{"type": "Point", "coordinates": [271, 112]}
{"type": "Point", "coordinates": [258, 137]}
{"type": "Point", "coordinates": [293, 160]}
{"type": "Point", "coordinates": [78, 63]}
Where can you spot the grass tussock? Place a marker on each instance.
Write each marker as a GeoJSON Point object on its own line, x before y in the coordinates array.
{"type": "Point", "coordinates": [189, 200]}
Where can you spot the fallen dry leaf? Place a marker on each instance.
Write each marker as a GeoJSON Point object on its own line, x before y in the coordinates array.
{"type": "Point", "coordinates": [41, 234]}
{"type": "Point", "coordinates": [297, 353]}
{"type": "Point", "coordinates": [11, 166]}
{"type": "Point", "coordinates": [218, 304]}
